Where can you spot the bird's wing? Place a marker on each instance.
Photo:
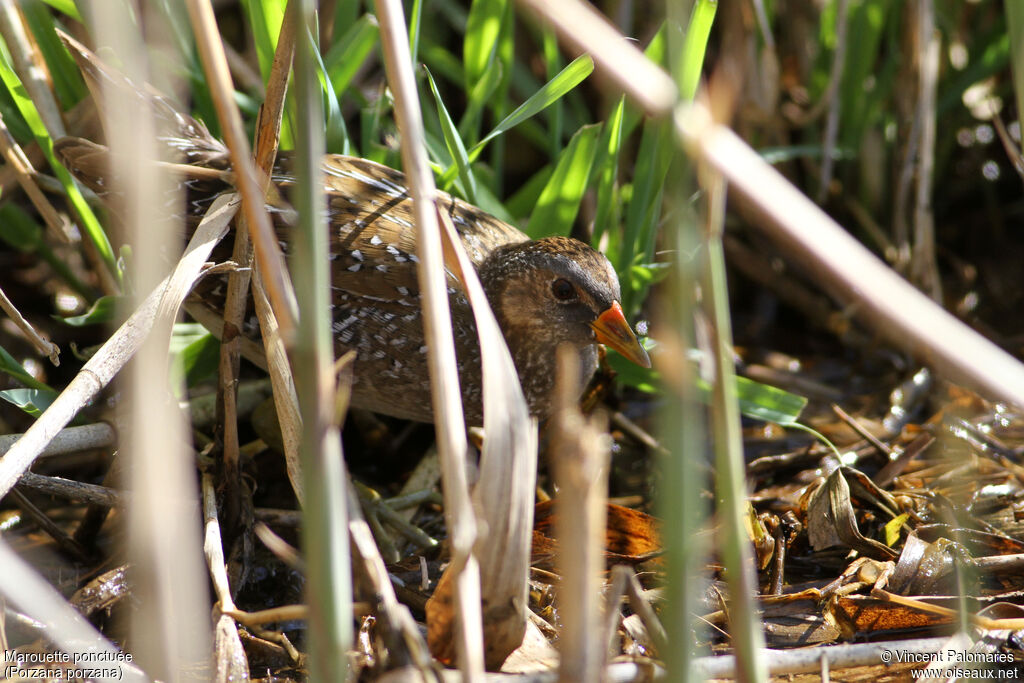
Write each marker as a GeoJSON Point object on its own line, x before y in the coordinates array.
{"type": "Point", "coordinates": [373, 238]}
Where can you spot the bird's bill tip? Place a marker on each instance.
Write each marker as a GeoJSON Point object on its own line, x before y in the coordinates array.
{"type": "Point", "coordinates": [613, 331]}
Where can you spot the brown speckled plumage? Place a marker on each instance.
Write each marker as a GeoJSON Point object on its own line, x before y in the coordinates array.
{"type": "Point", "coordinates": [544, 293]}
{"type": "Point", "coordinates": [375, 294]}
{"type": "Point", "coordinates": [375, 305]}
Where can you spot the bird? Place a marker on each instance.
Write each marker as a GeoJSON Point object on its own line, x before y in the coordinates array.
{"type": "Point", "coordinates": [545, 293]}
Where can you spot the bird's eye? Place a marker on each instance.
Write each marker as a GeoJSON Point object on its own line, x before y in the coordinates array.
{"type": "Point", "coordinates": [563, 289]}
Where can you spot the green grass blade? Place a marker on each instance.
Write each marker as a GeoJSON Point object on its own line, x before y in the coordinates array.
{"type": "Point", "coordinates": [870, 23]}
{"type": "Point", "coordinates": [816, 434]}
{"type": "Point", "coordinates": [197, 361]}
{"type": "Point", "coordinates": [67, 7]}
{"type": "Point", "coordinates": [443, 63]}
{"type": "Point", "coordinates": [549, 93]}
{"type": "Point", "coordinates": [336, 132]}
{"type": "Point", "coordinates": [415, 22]}
{"type": "Point", "coordinates": [478, 99]}
{"type": "Point", "coordinates": [370, 131]}
{"type": "Point", "coordinates": [453, 141]}
{"type": "Point", "coordinates": [13, 368]}
{"type": "Point", "coordinates": [691, 56]}
{"type": "Point", "coordinates": [487, 60]}
{"type": "Point", "coordinates": [265, 19]}
{"type": "Point", "coordinates": [567, 79]}
{"type": "Point", "coordinates": [345, 13]}
{"type": "Point", "coordinates": [174, 16]}
{"type": "Point", "coordinates": [18, 229]}
{"type": "Point", "coordinates": [500, 103]}
{"type": "Point", "coordinates": [560, 201]}
{"type": "Point", "coordinates": [483, 27]}
{"type": "Point", "coordinates": [637, 246]}
{"type": "Point", "coordinates": [325, 526]}
{"type": "Point", "coordinates": [349, 53]}
{"type": "Point", "coordinates": [552, 63]}
{"type": "Point", "coordinates": [606, 168]}
{"type": "Point", "coordinates": [757, 401]}
{"type": "Point", "coordinates": [88, 222]}
{"type": "Point", "coordinates": [657, 52]}
{"type": "Point", "coordinates": [104, 311]}
{"type": "Point", "coordinates": [991, 59]}
{"type": "Point", "coordinates": [67, 80]}
{"type": "Point", "coordinates": [768, 403]}
{"type": "Point", "coordinates": [487, 201]}
{"type": "Point", "coordinates": [12, 117]}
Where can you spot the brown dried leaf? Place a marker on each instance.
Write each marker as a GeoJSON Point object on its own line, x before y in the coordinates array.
{"type": "Point", "coordinates": [831, 519]}
{"type": "Point", "coordinates": [631, 536]}
{"type": "Point", "coordinates": [860, 614]}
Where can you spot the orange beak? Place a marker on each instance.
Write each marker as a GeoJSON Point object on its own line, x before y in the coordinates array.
{"type": "Point", "coordinates": [612, 330]}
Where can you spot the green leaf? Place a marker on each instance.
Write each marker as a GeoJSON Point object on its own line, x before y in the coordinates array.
{"type": "Point", "coordinates": [892, 528]}
{"type": "Point", "coordinates": [551, 92]}
{"type": "Point", "coordinates": [102, 312]}
{"type": "Point", "coordinates": [865, 60]}
{"type": "Point", "coordinates": [443, 63]}
{"type": "Point", "coordinates": [184, 334]}
{"type": "Point", "coordinates": [453, 141]}
{"type": "Point", "coordinates": [629, 373]}
{"type": "Point", "coordinates": [492, 205]}
{"type": "Point", "coordinates": [768, 403]}
{"type": "Point", "coordinates": [656, 150]}
{"type": "Point", "coordinates": [567, 79]}
{"type": "Point", "coordinates": [780, 155]}
{"type": "Point", "coordinates": [265, 19]}
{"type": "Point", "coordinates": [18, 372]}
{"type": "Point", "coordinates": [196, 360]}
{"type": "Point", "coordinates": [32, 401]}
{"type": "Point", "coordinates": [560, 201]}
{"type": "Point", "coordinates": [647, 274]}
{"type": "Point", "coordinates": [483, 26]}
{"type": "Point", "coordinates": [67, 7]}
{"type": "Point", "coordinates": [488, 56]}
{"type": "Point", "coordinates": [350, 51]}
{"type": "Point", "coordinates": [370, 127]}
{"type": "Point", "coordinates": [756, 400]}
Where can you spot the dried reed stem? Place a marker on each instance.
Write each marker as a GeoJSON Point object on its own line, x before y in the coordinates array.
{"type": "Point", "coordinates": [444, 384]}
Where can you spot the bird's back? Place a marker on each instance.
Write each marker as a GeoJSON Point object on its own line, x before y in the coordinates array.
{"type": "Point", "coordinates": [375, 304]}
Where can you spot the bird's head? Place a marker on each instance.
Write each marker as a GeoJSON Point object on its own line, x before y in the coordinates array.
{"type": "Point", "coordinates": [555, 291]}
